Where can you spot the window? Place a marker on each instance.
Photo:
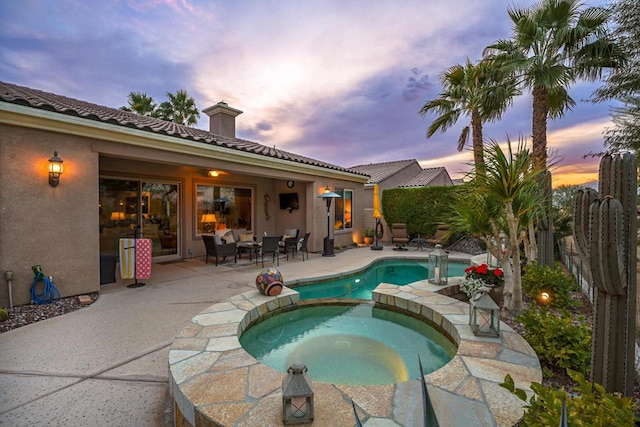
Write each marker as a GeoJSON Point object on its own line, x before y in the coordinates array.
{"type": "Point", "coordinates": [220, 207]}
{"type": "Point", "coordinates": [344, 209]}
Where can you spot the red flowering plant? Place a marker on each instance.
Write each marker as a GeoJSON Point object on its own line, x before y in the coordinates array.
{"type": "Point", "coordinates": [493, 277]}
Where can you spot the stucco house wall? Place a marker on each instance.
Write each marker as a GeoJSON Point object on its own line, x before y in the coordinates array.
{"type": "Point", "coordinates": [42, 225]}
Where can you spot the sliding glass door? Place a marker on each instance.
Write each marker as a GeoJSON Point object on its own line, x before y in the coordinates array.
{"type": "Point", "coordinates": [146, 209]}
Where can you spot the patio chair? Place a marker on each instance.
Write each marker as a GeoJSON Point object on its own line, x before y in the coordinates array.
{"type": "Point", "coordinates": [270, 246]}
{"type": "Point", "coordinates": [442, 235]}
{"type": "Point", "coordinates": [302, 245]}
{"type": "Point", "coordinates": [399, 236]}
{"type": "Point", "coordinates": [218, 250]}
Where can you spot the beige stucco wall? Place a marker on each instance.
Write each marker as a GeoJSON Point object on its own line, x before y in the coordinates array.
{"type": "Point", "coordinates": [53, 227]}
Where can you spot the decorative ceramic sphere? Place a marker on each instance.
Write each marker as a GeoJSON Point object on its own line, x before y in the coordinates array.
{"type": "Point", "coordinates": [269, 281]}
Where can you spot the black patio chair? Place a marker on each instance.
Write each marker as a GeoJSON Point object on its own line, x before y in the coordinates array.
{"type": "Point", "coordinates": [270, 245]}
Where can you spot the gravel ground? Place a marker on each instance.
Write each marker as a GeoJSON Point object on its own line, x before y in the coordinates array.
{"type": "Point", "coordinates": [25, 314]}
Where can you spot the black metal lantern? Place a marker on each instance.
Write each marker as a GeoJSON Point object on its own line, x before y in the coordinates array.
{"type": "Point", "coordinates": [297, 396]}
{"type": "Point", "coordinates": [438, 266]}
{"type": "Point", "coordinates": [484, 315]}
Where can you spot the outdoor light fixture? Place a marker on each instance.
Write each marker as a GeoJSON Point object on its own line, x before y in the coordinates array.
{"type": "Point", "coordinates": [328, 195]}
{"type": "Point", "coordinates": [213, 173]}
{"type": "Point", "coordinates": [544, 298]}
{"type": "Point", "coordinates": [484, 315]}
{"type": "Point", "coordinates": [297, 396]}
{"type": "Point", "coordinates": [55, 169]}
{"type": "Point", "coordinates": [208, 220]}
{"type": "Point", "coordinates": [438, 266]}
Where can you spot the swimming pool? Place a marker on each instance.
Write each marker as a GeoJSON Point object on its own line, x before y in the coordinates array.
{"type": "Point", "coordinates": [361, 284]}
{"type": "Point", "coordinates": [349, 344]}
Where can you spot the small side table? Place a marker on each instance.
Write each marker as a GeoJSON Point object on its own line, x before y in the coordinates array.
{"type": "Point", "coordinates": [420, 243]}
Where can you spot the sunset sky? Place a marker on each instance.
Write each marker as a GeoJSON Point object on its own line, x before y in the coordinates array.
{"type": "Point", "coordinates": [338, 81]}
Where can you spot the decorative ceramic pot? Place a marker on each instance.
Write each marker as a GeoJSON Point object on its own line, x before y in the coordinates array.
{"type": "Point", "coordinates": [497, 295]}
{"type": "Point", "coordinates": [269, 282]}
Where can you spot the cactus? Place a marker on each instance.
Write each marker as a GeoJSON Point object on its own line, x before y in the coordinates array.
{"type": "Point", "coordinates": [3, 315]}
{"type": "Point", "coordinates": [604, 231]}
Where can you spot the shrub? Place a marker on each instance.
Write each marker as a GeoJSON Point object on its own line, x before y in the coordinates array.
{"type": "Point", "coordinates": [471, 286]}
{"type": "Point", "coordinates": [589, 405]}
{"type": "Point", "coordinates": [3, 315]}
{"type": "Point", "coordinates": [557, 339]}
{"type": "Point", "coordinates": [538, 278]}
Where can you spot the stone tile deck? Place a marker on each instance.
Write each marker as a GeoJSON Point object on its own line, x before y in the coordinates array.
{"type": "Point", "coordinates": [214, 382]}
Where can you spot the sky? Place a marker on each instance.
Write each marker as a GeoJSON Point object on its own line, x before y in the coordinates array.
{"type": "Point", "coordinates": [338, 81]}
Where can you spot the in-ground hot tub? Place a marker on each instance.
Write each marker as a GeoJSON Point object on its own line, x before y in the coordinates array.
{"type": "Point", "coordinates": [351, 344]}
{"type": "Point", "coordinates": [214, 381]}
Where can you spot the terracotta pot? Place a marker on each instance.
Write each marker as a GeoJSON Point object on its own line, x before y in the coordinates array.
{"type": "Point", "coordinates": [497, 295]}
{"type": "Point", "coordinates": [368, 240]}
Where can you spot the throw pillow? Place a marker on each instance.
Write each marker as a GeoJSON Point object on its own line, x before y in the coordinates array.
{"type": "Point", "coordinates": [246, 237]}
{"type": "Point", "coordinates": [217, 239]}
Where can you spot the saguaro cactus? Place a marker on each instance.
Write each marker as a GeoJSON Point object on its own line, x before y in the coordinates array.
{"type": "Point", "coordinates": [605, 235]}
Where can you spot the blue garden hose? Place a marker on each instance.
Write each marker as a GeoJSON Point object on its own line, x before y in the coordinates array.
{"type": "Point", "coordinates": [48, 293]}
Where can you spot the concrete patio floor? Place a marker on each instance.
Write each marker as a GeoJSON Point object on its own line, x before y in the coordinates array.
{"type": "Point", "coordinates": [106, 364]}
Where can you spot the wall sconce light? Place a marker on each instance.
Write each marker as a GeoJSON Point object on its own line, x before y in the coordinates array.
{"type": "Point", "coordinates": [297, 396]}
{"type": "Point", "coordinates": [213, 173]}
{"type": "Point", "coordinates": [55, 169]}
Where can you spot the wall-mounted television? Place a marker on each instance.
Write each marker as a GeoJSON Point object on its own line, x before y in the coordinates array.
{"type": "Point", "coordinates": [289, 201]}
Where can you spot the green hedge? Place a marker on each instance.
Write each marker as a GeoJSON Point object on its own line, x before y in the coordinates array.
{"type": "Point", "coordinates": [421, 209]}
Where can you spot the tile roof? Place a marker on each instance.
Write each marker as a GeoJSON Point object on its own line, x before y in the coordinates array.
{"type": "Point", "coordinates": [424, 178]}
{"type": "Point", "coordinates": [34, 98]}
{"type": "Point", "coordinates": [381, 171]}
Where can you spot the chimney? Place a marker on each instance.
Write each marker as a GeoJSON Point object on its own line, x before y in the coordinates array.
{"type": "Point", "coordinates": [222, 119]}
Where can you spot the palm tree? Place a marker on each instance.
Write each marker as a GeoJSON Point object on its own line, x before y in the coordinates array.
{"type": "Point", "coordinates": [141, 103]}
{"type": "Point", "coordinates": [180, 108]}
{"type": "Point", "coordinates": [504, 198]}
{"type": "Point", "coordinates": [481, 92]}
{"type": "Point", "coordinates": [553, 45]}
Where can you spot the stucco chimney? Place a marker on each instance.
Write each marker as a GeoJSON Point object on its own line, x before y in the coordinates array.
{"type": "Point", "coordinates": [222, 119]}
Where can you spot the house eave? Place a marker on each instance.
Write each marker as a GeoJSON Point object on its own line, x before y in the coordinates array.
{"type": "Point", "coordinates": [33, 118]}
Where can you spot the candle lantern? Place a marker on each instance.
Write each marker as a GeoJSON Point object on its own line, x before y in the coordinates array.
{"type": "Point", "coordinates": [438, 266]}
{"type": "Point", "coordinates": [484, 315]}
{"type": "Point", "coordinates": [297, 396]}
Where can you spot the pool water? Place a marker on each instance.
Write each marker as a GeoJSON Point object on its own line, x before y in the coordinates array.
{"type": "Point", "coordinates": [348, 344]}
{"type": "Point", "coordinates": [362, 284]}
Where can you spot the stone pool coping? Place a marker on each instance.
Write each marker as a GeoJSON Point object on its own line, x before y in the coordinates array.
{"type": "Point", "coordinates": [214, 382]}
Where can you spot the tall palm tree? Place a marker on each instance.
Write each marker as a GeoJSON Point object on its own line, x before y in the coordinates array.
{"type": "Point", "coordinates": [553, 45]}
{"type": "Point", "coordinates": [141, 103]}
{"type": "Point", "coordinates": [481, 92]}
{"type": "Point", "coordinates": [180, 108]}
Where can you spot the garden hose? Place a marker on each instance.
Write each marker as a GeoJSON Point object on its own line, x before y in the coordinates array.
{"type": "Point", "coordinates": [48, 293]}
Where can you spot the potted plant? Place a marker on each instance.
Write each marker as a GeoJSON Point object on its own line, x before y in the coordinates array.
{"type": "Point", "coordinates": [367, 235]}
{"type": "Point", "coordinates": [483, 276]}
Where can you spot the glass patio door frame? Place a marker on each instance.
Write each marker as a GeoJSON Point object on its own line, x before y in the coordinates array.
{"type": "Point", "coordinates": [144, 222]}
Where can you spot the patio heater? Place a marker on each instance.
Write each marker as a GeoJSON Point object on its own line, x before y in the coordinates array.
{"type": "Point", "coordinates": [328, 195]}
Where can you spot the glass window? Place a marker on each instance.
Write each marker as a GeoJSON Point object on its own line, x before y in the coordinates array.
{"type": "Point", "coordinates": [344, 210]}
{"type": "Point", "coordinates": [220, 207]}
